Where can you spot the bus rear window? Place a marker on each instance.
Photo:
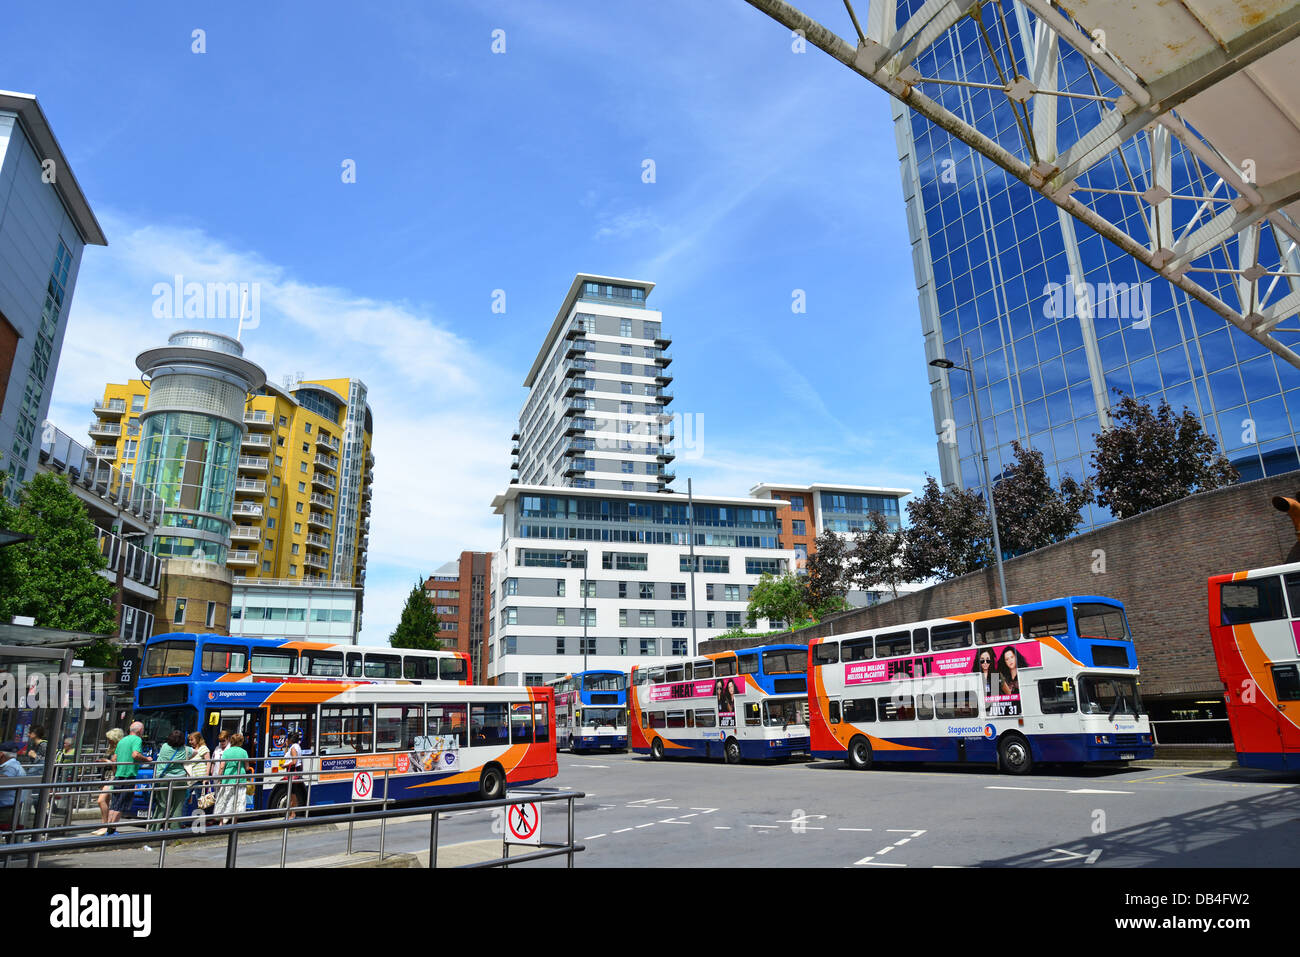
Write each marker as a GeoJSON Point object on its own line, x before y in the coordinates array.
{"type": "Point", "coordinates": [275, 662]}
{"type": "Point", "coordinates": [1101, 621]}
{"type": "Point", "coordinates": [1259, 599]}
{"type": "Point", "coordinates": [785, 662]}
{"type": "Point", "coordinates": [451, 669]}
{"type": "Point", "coordinates": [227, 659]}
{"type": "Point", "coordinates": [169, 658]}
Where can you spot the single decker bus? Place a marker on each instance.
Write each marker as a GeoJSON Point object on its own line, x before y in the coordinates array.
{"type": "Point", "coordinates": [1051, 681]}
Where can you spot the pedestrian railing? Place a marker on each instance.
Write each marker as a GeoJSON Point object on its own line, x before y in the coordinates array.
{"type": "Point", "coordinates": [44, 837]}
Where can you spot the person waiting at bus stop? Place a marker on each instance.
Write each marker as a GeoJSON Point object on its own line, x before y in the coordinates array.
{"type": "Point", "coordinates": [230, 793]}
{"type": "Point", "coordinates": [9, 799]}
{"type": "Point", "coordinates": [167, 800]}
{"type": "Point", "coordinates": [128, 758]}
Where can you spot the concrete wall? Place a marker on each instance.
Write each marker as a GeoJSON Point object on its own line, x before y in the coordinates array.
{"type": "Point", "coordinates": [1157, 563]}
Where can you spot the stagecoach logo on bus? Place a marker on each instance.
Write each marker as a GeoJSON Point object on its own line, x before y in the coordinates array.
{"type": "Point", "coordinates": [20, 690]}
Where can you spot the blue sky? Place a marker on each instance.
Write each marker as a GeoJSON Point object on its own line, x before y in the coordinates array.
{"type": "Point", "coordinates": [475, 171]}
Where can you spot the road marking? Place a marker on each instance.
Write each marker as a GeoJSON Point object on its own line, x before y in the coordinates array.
{"type": "Point", "coordinates": [766, 827]}
{"type": "Point", "coordinates": [593, 837]}
{"type": "Point", "coordinates": [721, 827]}
{"type": "Point", "coordinates": [668, 807]}
{"type": "Point", "coordinates": [622, 829]}
{"type": "Point", "coordinates": [885, 850]}
{"type": "Point", "coordinates": [1090, 858]}
{"type": "Point", "coordinates": [904, 830]}
{"type": "Point", "coordinates": [871, 860]}
{"type": "Point", "coordinates": [901, 842]}
{"type": "Point", "coordinates": [1158, 777]}
{"type": "Point", "coordinates": [605, 766]}
{"type": "Point", "coordinates": [688, 815]}
{"type": "Point", "coordinates": [704, 810]}
{"type": "Point", "coordinates": [669, 820]}
{"type": "Point", "coordinates": [853, 829]}
{"type": "Point", "coordinates": [1003, 787]}
{"type": "Point", "coordinates": [651, 824]}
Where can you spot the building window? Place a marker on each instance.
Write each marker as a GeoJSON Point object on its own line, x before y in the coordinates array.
{"type": "Point", "coordinates": [212, 614]}
{"type": "Point", "coordinates": [275, 501]}
{"type": "Point", "coordinates": [622, 617]}
{"type": "Point", "coordinates": [622, 646]}
{"type": "Point", "coordinates": [587, 616]}
{"type": "Point", "coordinates": [512, 586]}
{"type": "Point", "coordinates": [306, 447]}
{"type": "Point", "coordinates": [128, 449]}
{"type": "Point", "coordinates": [679, 646]}
{"type": "Point", "coordinates": [708, 592]}
{"type": "Point", "coordinates": [559, 588]}
{"type": "Point", "coordinates": [625, 327]}
{"type": "Point", "coordinates": [647, 590]}
{"type": "Point", "coordinates": [678, 591]}
{"type": "Point", "coordinates": [266, 566]}
{"type": "Point", "coordinates": [708, 619]}
{"type": "Point", "coordinates": [512, 616]}
{"type": "Point", "coordinates": [306, 427]}
{"type": "Point", "coordinates": [299, 507]}
{"type": "Point", "coordinates": [629, 467]}
{"type": "Point", "coordinates": [796, 503]}
{"type": "Point", "coordinates": [279, 461]}
{"type": "Point", "coordinates": [679, 620]}
{"type": "Point", "coordinates": [731, 592]}
{"type": "Point", "coordinates": [283, 421]}
{"type": "Point", "coordinates": [646, 618]}
{"type": "Point", "coordinates": [798, 527]}
{"type": "Point", "coordinates": [590, 588]}
{"type": "Point", "coordinates": [733, 619]}
{"type": "Point", "coordinates": [137, 403]}
{"type": "Point", "coordinates": [622, 589]}
{"type": "Point", "coordinates": [647, 646]}
{"type": "Point", "coordinates": [293, 550]}
{"type": "Point", "coordinates": [559, 646]}
{"type": "Point", "coordinates": [629, 486]}
{"type": "Point", "coordinates": [302, 466]}
{"type": "Point", "coordinates": [588, 646]}
{"type": "Point", "coordinates": [559, 616]}
{"type": "Point", "coordinates": [293, 571]}
{"type": "Point", "coordinates": [297, 527]}
{"type": "Point", "coordinates": [178, 616]}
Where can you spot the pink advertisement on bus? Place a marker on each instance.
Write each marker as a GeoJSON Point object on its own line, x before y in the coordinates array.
{"type": "Point", "coordinates": [996, 666]}
{"type": "Point", "coordinates": [723, 690]}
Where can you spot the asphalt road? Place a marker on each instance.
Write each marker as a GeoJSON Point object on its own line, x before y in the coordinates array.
{"type": "Point", "coordinates": [686, 813]}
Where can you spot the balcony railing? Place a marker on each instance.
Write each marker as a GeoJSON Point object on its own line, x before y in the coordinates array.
{"type": "Point", "coordinates": [323, 500]}
{"type": "Point", "coordinates": [323, 441]}
{"type": "Point", "coordinates": [104, 451]}
{"type": "Point", "coordinates": [259, 420]}
{"type": "Point", "coordinates": [135, 563]}
{"type": "Point", "coordinates": [323, 480]}
{"type": "Point", "coordinates": [249, 509]}
{"type": "Point", "coordinates": [253, 441]}
{"type": "Point", "coordinates": [245, 533]}
{"type": "Point", "coordinates": [105, 428]}
{"type": "Point", "coordinates": [330, 462]}
{"type": "Point", "coordinates": [315, 561]}
{"type": "Point", "coordinates": [577, 347]}
{"type": "Point", "coordinates": [241, 558]}
{"type": "Point", "coordinates": [254, 486]}
{"type": "Point", "coordinates": [254, 463]}
{"type": "Point", "coordinates": [113, 407]}
{"type": "Point", "coordinates": [318, 541]}
{"type": "Point", "coordinates": [319, 518]}
{"type": "Point", "coordinates": [61, 453]}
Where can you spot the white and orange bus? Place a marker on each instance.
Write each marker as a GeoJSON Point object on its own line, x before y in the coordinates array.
{"type": "Point", "coordinates": [1053, 681]}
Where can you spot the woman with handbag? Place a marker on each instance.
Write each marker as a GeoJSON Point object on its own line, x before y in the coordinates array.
{"type": "Point", "coordinates": [292, 765]}
{"type": "Point", "coordinates": [169, 790]}
{"type": "Point", "coordinates": [231, 793]}
{"type": "Point", "coordinates": [197, 771]}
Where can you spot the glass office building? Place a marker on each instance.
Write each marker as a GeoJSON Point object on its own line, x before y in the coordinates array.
{"type": "Point", "coordinates": [1001, 271]}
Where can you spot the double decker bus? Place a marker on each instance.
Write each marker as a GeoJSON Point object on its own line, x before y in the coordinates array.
{"type": "Point", "coordinates": [436, 737]}
{"type": "Point", "coordinates": [591, 711]}
{"type": "Point", "coordinates": [750, 704]}
{"type": "Point", "coordinates": [1255, 629]}
{"type": "Point", "coordinates": [221, 658]}
{"type": "Point", "coordinates": [1051, 681]}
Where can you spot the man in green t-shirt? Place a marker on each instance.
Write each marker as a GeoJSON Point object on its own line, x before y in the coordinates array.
{"type": "Point", "coordinates": [230, 793]}
{"type": "Point", "coordinates": [129, 758]}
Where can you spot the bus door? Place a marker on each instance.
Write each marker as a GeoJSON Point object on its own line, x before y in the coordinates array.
{"type": "Point", "coordinates": [286, 718]}
{"type": "Point", "coordinates": [250, 722]}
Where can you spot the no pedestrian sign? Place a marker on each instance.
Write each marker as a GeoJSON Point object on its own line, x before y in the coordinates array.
{"type": "Point", "coordinates": [363, 783]}
{"type": "Point", "coordinates": [524, 824]}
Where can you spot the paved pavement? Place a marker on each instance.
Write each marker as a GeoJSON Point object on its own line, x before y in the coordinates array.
{"type": "Point", "coordinates": [639, 813]}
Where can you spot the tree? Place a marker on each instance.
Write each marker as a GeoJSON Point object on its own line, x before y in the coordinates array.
{"type": "Point", "coordinates": [826, 580]}
{"type": "Point", "coordinates": [54, 577]}
{"type": "Point", "coordinates": [877, 556]}
{"type": "Point", "coordinates": [1031, 513]}
{"type": "Point", "coordinates": [948, 533]}
{"type": "Point", "coordinates": [1148, 459]}
{"type": "Point", "coordinates": [778, 599]}
{"type": "Point", "coordinates": [419, 625]}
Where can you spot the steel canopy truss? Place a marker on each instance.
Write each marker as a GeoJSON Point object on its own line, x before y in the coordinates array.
{"type": "Point", "coordinates": [1195, 101]}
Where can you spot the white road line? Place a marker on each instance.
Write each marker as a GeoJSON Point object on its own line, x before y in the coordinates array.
{"type": "Point", "coordinates": [622, 829]}
{"type": "Point", "coordinates": [904, 830]}
{"type": "Point", "coordinates": [704, 810]}
{"type": "Point", "coordinates": [669, 820]}
{"type": "Point", "coordinates": [609, 805]}
{"type": "Point", "coordinates": [688, 815]}
{"type": "Point", "coordinates": [882, 864]}
{"type": "Point", "coordinates": [853, 829]}
{"type": "Point", "coordinates": [667, 807]}
{"type": "Point", "coordinates": [651, 824]}
{"type": "Point", "coordinates": [593, 837]}
{"type": "Point", "coordinates": [885, 850]}
{"type": "Point", "coordinates": [766, 827]}
{"type": "Point", "coordinates": [721, 827]}
{"type": "Point", "coordinates": [901, 842]}
{"type": "Point", "coordinates": [1004, 787]}
{"type": "Point", "coordinates": [605, 766]}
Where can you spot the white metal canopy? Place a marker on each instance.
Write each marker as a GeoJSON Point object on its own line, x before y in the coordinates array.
{"type": "Point", "coordinates": [1210, 86]}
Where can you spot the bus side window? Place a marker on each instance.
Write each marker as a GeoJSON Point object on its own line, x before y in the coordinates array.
{"type": "Point", "coordinates": [1046, 623]}
{"type": "Point", "coordinates": [920, 640]}
{"type": "Point", "coordinates": [748, 664]}
{"type": "Point", "coordinates": [833, 712]}
{"type": "Point", "coordinates": [948, 637]}
{"type": "Point", "coordinates": [752, 715]}
{"type": "Point", "coordinates": [1287, 682]}
{"type": "Point", "coordinates": [704, 669]}
{"type": "Point", "coordinates": [924, 707]}
{"type": "Point", "coordinates": [858, 649]}
{"type": "Point", "coordinates": [354, 666]}
{"type": "Point", "coordinates": [725, 666]}
{"type": "Point", "coordinates": [826, 653]}
{"type": "Point", "coordinates": [1056, 695]}
{"type": "Point", "coordinates": [1258, 599]}
{"type": "Point", "coordinates": [997, 630]}
{"type": "Point", "coordinates": [541, 721]}
{"type": "Point", "coordinates": [860, 710]}
{"type": "Point", "coordinates": [1293, 593]}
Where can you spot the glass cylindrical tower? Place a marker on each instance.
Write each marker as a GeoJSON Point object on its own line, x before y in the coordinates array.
{"type": "Point", "coordinates": [189, 439]}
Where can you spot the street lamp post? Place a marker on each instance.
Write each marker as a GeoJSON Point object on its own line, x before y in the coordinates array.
{"type": "Point", "coordinates": [984, 458]}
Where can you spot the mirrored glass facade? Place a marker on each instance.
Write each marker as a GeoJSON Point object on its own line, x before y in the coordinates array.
{"type": "Point", "coordinates": [1003, 273]}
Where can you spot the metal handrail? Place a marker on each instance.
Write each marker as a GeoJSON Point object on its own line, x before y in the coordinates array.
{"type": "Point", "coordinates": [285, 824]}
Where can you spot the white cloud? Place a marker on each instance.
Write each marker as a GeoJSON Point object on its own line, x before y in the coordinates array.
{"type": "Point", "coordinates": [441, 422]}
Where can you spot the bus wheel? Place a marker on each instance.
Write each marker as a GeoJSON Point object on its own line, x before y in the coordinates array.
{"type": "Point", "coordinates": [279, 798]}
{"type": "Point", "coordinates": [492, 784]}
{"type": "Point", "coordinates": [731, 751]}
{"type": "Point", "coordinates": [859, 754]}
{"type": "Point", "coordinates": [657, 750]}
{"type": "Point", "coordinates": [1013, 754]}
